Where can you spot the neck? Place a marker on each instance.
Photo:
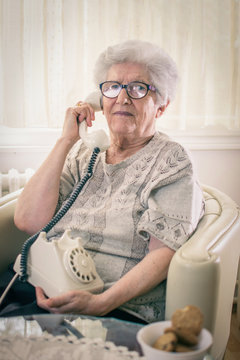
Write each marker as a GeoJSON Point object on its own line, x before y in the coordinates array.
{"type": "Point", "coordinates": [121, 149]}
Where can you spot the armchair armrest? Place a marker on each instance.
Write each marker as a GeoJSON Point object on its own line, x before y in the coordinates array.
{"type": "Point", "coordinates": [11, 239]}
{"type": "Point", "coordinates": [203, 271]}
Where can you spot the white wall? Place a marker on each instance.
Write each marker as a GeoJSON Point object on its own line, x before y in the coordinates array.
{"type": "Point", "coordinates": [221, 169]}
{"type": "Point", "coordinates": [216, 158]}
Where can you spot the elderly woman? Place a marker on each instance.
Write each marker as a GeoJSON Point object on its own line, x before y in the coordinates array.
{"type": "Point", "coordinates": [143, 201]}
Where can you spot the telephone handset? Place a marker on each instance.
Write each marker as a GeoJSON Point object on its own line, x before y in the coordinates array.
{"type": "Point", "coordinates": [97, 138]}
{"type": "Point", "coordinates": [61, 265]}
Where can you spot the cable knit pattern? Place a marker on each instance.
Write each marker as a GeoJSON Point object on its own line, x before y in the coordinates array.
{"type": "Point", "coordinates": [154, 192]}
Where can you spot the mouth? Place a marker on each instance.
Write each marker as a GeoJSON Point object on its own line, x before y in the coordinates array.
{"type": "Point", "coordinates": [122, 113]}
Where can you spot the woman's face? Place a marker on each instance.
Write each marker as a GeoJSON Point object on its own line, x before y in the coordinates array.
{"type": "Point", "coordinates": [126, 116]}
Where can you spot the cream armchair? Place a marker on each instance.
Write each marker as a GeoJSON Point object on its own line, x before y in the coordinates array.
{"type": "Point", "coordinates": [202, 272]}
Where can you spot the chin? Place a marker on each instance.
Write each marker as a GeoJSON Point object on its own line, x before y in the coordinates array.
{"type": "Point", "coordinates": [123, 131]}
{"type": "Point", "coordinates": [121, 128]}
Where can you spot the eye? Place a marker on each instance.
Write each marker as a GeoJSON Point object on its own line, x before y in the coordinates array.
{"type": "Point", "coordinates": [111, 89]}
{"type": "Point", "coordinates": [137, 89]}
{"type": "Point", "coordinates": [113, 86]}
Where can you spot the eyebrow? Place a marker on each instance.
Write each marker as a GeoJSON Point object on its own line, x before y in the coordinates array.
{"type": "Point", "coordinates": [143, 81]}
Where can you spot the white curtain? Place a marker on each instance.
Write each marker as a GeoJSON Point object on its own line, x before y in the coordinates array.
{"type": "Point", "coordinates": [49, 47]}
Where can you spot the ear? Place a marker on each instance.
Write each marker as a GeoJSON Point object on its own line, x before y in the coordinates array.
{"type": "Point", "coordinates": [161, 109]}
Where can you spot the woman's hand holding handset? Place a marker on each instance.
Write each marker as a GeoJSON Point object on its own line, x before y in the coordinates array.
{"type": "Point", "coordinates": [74, 117]}
{"type": "Point", "coordinates": [81, 116]}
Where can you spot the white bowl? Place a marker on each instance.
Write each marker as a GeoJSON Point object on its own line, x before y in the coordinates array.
{"type": "Point", "coordinates": [149, 334]}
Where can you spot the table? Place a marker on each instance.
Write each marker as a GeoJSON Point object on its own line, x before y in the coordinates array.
{"type": "Point", "coordinates": [45, 337]}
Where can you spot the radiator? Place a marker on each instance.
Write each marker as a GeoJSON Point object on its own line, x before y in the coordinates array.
{"type": "Point", "coordinates": [14, 180]}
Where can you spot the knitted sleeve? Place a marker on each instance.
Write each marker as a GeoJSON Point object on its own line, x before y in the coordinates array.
{"type": "Point", "coordinates": [174, 202]}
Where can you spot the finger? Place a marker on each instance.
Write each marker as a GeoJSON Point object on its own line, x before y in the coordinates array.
{"type": "Point", "coordinates": [46, 303]}
{"type": "Point", "coordinates": [40, 293]}
{"type": "Point", "coordinates": [66, 303]}
{"type": "Point", "coordinates": [65, 309]}
{"type": "Point", "coordinates": [82, 115]}
{"type": "Point", "coordinates": [92, 112]}
{"type": "Point", "coordinates": [59, 301]}
{"type": "Point", "coordinates": [89, 110]}
{"type": "Point", "coordinates": [85, 116]}
{"type": "Point", "coordinates": [89, 106]}
{"type": "Point", "coordinates": [73, 303]}
{"type": "Point", "coordinates": [42, 300]}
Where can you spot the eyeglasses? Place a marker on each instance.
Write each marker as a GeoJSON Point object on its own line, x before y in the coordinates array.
{"type": "Point", "coordinates": [135, 89]}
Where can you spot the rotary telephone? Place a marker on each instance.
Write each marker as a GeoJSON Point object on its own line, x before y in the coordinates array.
{"type": "Point", "coordinates": [61, 265]}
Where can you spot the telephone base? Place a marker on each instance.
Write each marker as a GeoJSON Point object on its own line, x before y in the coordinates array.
{"type": "Point", "coordinates": [60, 266]}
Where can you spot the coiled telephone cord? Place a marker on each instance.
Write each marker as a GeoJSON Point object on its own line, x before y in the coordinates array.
{"type": "Point", "coordinates": [58, 216]}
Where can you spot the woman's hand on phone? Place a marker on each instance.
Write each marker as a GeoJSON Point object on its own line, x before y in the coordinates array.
{"type": "Point", "coordinates": [74, 116]}
{"type": "Point", "coordinates": [74, 302]}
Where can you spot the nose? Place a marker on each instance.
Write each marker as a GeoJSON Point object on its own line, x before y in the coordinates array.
{"type": "Point", "coordinates": [123, 97]}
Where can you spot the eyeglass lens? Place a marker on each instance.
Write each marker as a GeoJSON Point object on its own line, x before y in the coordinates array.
{"type": "Point", "coordinates": [135, 90]}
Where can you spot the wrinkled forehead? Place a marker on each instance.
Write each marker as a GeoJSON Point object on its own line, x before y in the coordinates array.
{"type": "Point", "coordinates": [127, 72]}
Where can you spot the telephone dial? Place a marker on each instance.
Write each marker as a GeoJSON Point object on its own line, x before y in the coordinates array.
{"type": "Point", "coordinates": [61, 265]}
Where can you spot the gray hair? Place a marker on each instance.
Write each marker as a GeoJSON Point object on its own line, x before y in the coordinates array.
{"type": "Point", "coordinates": [161, 68]}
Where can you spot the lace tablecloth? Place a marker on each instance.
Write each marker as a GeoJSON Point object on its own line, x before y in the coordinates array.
{"type": "Point", "coordinates": [49, 347]}
{"type": "Point", "coordinates": [57, 337]}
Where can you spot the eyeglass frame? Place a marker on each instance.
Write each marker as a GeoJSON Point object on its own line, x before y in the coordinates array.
{"type": "Point", "coordinates": [122, 86]}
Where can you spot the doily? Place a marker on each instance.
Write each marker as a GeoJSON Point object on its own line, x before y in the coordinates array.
{"type": "Point", "coordinates": [49, 347]}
